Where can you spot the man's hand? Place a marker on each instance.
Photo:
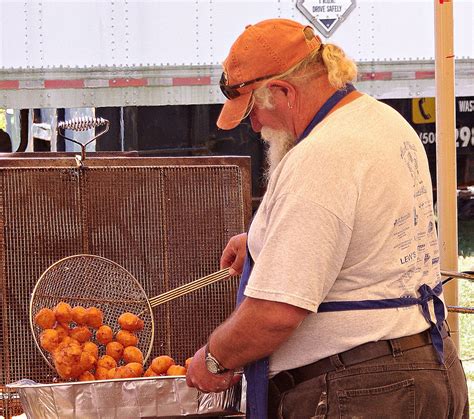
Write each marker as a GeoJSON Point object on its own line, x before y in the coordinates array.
{"type": "Point", "coordinates": [199, 377]}
{"type": "Point", "coordinates": [233, 255]}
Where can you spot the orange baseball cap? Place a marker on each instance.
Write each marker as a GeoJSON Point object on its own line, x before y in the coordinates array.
{"type": "Point", "coordinates": [262, 51]}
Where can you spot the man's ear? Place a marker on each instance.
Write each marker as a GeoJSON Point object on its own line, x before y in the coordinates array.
{"type": "Point", "coordinates": [285, 88]}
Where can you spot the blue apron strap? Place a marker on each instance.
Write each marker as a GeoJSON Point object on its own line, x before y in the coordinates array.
{"type": "Point", "coordinates": [426, 295]}
{"type": "Point", "coordinates": [244, 278]}
{"type": "Point", "coordinates": [325, 109]}
{"type": "Point", "coordinates": [256, 373]}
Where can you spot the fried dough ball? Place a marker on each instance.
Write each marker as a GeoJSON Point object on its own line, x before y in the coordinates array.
{"type": "Point", "coordinates": [81, 333]}
{"type": "Point", "coordinates": [67, 358]}
{"type": "Point", "coordinates": [176, 370]}
{"type": "Point", "coordinates": [94, 317]}
{"type": "Point", "coordinates": [136, 367]}
{"type": "Point", "coordinates": [67, 371]}
{"type": "Point", "coordinates": [101, 373]}
{"type": "Point", "coordinates": [63, 312]}
{"type": "Point", "coordinates": [87, 361]}
{"type": "Point", "coordinates": [150, 373]}
{"type": "Point", "coordinates": [86, 376]}
{"type": "Point", "coordinates": [111, 373]}
{"type": "Point", "coordinates": [124, 372]}
{"type": "Point", "coordinates": [63, 331]}
{"type": "Point", "coordinates": [161, 364]}
{"type": "Point", "coordinates": [132, 354]}
{"type": "Point", "coordinates": [79, 315]}
{"type": "Point", "coordinates": [107, 362]}
{"type": "Point", "coordinates": [115, 350]}
{"type": "Point", "coordinates": [91, 348]}
{"type": "Point", "coordinates": [187, 363]}
{"type": "Point", "coordinates": [68, 340]}
{"type": "Point", "coordinates": [126, 338]}
{"type": "Point", "coordinates": [69, 346]}
{"type": "Point", "coordinates": [130, 322]}
{"type": "Point", "coordinates": [49, 340]}
{"type": "Point", "coordinates": [104, 335]}
{"type": "Point", "coordinates": [45, 318]}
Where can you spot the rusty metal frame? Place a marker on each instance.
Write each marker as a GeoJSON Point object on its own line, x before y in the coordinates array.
{"type": "Point", "coordinates": [14, 161]}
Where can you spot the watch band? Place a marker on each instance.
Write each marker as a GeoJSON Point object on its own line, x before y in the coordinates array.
{"type": "Point", "coordinates": [212, 364]}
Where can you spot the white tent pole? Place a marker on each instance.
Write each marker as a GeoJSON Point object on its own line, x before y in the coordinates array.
{"type": "Point", "coordinates": [446, 152]}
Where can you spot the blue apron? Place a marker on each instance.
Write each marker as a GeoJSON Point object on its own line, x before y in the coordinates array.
{"type": "Point", "coordinates": [256, 373]}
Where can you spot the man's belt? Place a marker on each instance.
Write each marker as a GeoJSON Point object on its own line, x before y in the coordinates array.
{"type": "Point", "coordinates": [366, 352]}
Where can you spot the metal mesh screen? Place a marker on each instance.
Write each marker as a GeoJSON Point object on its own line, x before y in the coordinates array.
{"type": "Point", "coordinates": [166, 224]}
{"type": "Point", "coordinates": [10, 404]}
{"type": "Point", "coordinates": [41, 224]}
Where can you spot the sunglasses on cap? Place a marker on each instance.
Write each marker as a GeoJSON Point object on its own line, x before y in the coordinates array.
{"type": "Point", "coordinates": [231, 91]}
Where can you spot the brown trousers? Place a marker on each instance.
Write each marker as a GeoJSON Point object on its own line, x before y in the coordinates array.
{"type": "Point", "coordinates": [408, 385]}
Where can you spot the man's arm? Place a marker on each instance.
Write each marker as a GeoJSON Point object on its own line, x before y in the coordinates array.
{"type": "Point", "coordinates": [255, 330]}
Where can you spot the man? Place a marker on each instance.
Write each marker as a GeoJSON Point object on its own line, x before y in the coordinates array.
{"type": "Point", "coordinates": [341, 311]}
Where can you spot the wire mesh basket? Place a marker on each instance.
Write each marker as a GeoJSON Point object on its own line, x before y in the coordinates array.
{"type": "Point", "coordinates": [90, 280]}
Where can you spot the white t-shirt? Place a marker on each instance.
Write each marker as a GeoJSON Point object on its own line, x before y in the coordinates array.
{"type": "Point", "coordinates": [348, 215]}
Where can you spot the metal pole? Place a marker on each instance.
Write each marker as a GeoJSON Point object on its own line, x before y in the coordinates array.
{"type": "Point", "coordinates": [446, 153]}
{"type": "Point", "coordinates": [31, 142]}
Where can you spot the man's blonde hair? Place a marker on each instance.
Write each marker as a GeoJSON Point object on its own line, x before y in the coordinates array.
{"type": "Point", "coordinates": [328, 59]}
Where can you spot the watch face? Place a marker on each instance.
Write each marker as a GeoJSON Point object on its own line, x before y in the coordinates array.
{"type": "Point", "coordinates": [212, 366]}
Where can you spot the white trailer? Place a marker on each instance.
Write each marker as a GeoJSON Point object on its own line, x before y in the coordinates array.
{"type": "Point", "coordinates": [71, 54]}
{"type": "Point", "coordinates": [81, 55]}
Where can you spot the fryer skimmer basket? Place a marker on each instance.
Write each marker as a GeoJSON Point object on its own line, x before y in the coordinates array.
{"type": "Point", "coordinates": [90, 280]}
{"type": "Point", "coordinates": [60, 279]}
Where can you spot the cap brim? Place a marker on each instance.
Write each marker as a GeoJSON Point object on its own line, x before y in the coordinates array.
{"type": "Point", "coordinates": [234, 111]}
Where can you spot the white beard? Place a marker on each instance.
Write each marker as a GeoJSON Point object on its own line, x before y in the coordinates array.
{"type": "Point", "coordinates": [278, 143]}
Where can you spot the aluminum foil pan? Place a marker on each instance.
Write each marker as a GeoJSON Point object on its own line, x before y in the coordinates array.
{"type": "Point", "coordinates": [123, 398]}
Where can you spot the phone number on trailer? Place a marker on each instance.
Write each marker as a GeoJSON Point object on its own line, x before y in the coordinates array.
{"type": "Point", "coordinates": [464, 137]}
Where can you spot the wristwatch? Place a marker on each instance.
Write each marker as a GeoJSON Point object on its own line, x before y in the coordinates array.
{"type": "Point", "coordinates": [212, 364]}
